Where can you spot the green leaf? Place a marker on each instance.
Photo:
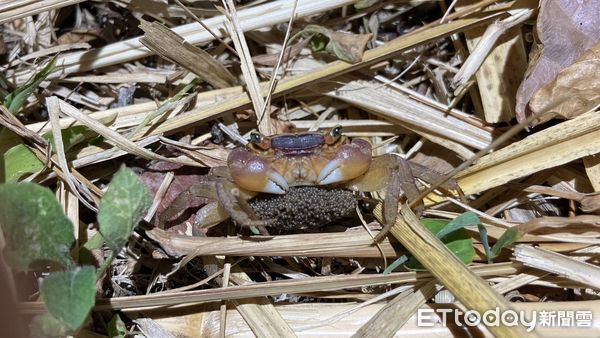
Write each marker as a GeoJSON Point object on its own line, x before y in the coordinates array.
{"type": "Point", "coordinates": [459, 242]}
{"type": "Point", "coordinates": [399, 261]}
{"type": "Point", "coordinates": [71, 136]}
{"type": "Point", "coordinates": [95, 242]}
{"type": "Point", "coordinates": [116, 327]}
{"type": "Point", "coordinates": [70, 295]}
{"type": "Point", "coordinates": [486, 245]}
{"type": "Point", "coordinates": [122, 207]}
{"type": "Point", "coordinates": [17, 162]}
{"type": "Point", "coordinates": [318, 43]}
{"type": "Point", "coordinates": [461, 221]}
{"type": "Point", "coordinates": [85, 251]}
{"type": "Point", "coordinates": [16, 159]}
{"type": "Point", "coordinates": [35, 226]}
{"type": "Point", "coordinates": [509, 237]}
{"type": "Point", "coordinates": [15, 100]}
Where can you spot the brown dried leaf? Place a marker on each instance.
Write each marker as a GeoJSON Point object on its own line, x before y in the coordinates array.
{"type": "Point", "coordinates": [575, 90]}
{"type": "Point", "coordinates": [345, 46]}
{"type": "Point", "coordinates": [566, 29]}
{"type": "Point", "coordinates": [271, 59]}
{"type": "Point", "coordinates": [79, 36]}
{"type": "Point", "coordinates": [171, 46]}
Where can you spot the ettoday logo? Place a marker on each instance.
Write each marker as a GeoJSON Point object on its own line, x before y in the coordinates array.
{"type": "Point", "coordinates": [495, 317]}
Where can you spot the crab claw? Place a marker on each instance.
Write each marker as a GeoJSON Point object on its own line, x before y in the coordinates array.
{"type": "Point", "coordinates": [254, 173]}
{"type": "Point", "coordinates": [351, 161]}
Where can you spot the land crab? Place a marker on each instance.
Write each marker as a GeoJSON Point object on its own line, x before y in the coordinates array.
{"type": "Point", "coordinates": [302, 179]}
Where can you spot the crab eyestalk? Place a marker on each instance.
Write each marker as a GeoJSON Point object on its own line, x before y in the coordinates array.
{"type": "Point", "coordinates": [251, 172]}
{"type": "Point", "coordinates": [351, 161]}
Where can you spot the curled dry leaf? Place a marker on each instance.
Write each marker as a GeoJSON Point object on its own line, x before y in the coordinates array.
{"type": "Point", "coordinates": [566, 29]}
{"type": "Point", "coordinates": [575, 90]}
{"type": "Point", "coordinates": [345, 46]}
{"type": "Point", "coordinates": [271, 59]}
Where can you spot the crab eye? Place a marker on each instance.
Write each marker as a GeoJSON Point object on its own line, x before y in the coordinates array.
{"type": "Point", "coordinates": [256, 138]}
{"type": "Point", "coordinates": [336, 131]}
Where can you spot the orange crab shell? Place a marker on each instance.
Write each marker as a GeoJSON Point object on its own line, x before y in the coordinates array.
{"type": "Point", "coordinates": [282, 161]}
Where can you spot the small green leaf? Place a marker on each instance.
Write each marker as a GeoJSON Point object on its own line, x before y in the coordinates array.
{"type": "Point", "coordinates": [16, 159]}
{"type": "Point", "coordinates": [318, 43]}
{"type": "Point", "coordinates": [461, 221]}
{"type": "Point", "coordinates": [122, 207]}
{"type": "Point", "coordinates": [486, 244]}
{"type": "Point", "coordinates": [17, 162]}
{"type": "Point", "coordinates": [15, 100]}
{"type": "Point", "coordinates": [35, 226]}
{"type": "Point", "coordinates": [399, 261]}
{"type": "Point", "coordinates": [95, 242]}
{"type": "Point", "coordinates": [435, 223]}
{"type": "Point", "coordinates": [70, 295]}
{"type": "Point", "coordinates": [459, 242]}
{"type": "Point", "coordinates": [509, 237]}
{"type": "Point", "coordinates": [71, 136]}
{"type": "Point", "coordinates": [116, 327]}
{"type": "Point", "coordinates": [85, 251]}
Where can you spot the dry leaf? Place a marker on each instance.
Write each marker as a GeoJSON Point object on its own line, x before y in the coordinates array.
{"type": "Point", "coordinates": [566, 29]}
{"type": "Point", "coordinates": [84, 35]}
{"type": "Point", "coordinates": [271, 59]}
{"type": "Point", "coordinates": [575, 90]}
{"type": "Point", "coordinates": [345, 46]}
{"type": "Point", "coordinates": [171, 46]}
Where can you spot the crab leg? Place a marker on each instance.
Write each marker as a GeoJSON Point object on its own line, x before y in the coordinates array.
{"type": "Point", "coordinates": [180, 203]}
{"type": "Point", "coordinates": [431, 176]}
{"type": "Point", "coordinates": [401, 179]}
{"type": "Point", "coordinates": [394, 174]}
{"type": "Point", "coordinates": [231, 199]}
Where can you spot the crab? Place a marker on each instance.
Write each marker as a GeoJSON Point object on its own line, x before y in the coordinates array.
{"type": "Point", "coordinates": [326, 163]}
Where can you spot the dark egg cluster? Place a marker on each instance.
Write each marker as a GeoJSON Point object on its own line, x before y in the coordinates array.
{"type": "Point", "coordinates": [304, 207]}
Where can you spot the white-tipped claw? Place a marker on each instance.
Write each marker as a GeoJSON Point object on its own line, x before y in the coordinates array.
{"type": "Point", "coordinates": [276, 184]}
{"type": "Point", "coordinates": [331, 173]}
